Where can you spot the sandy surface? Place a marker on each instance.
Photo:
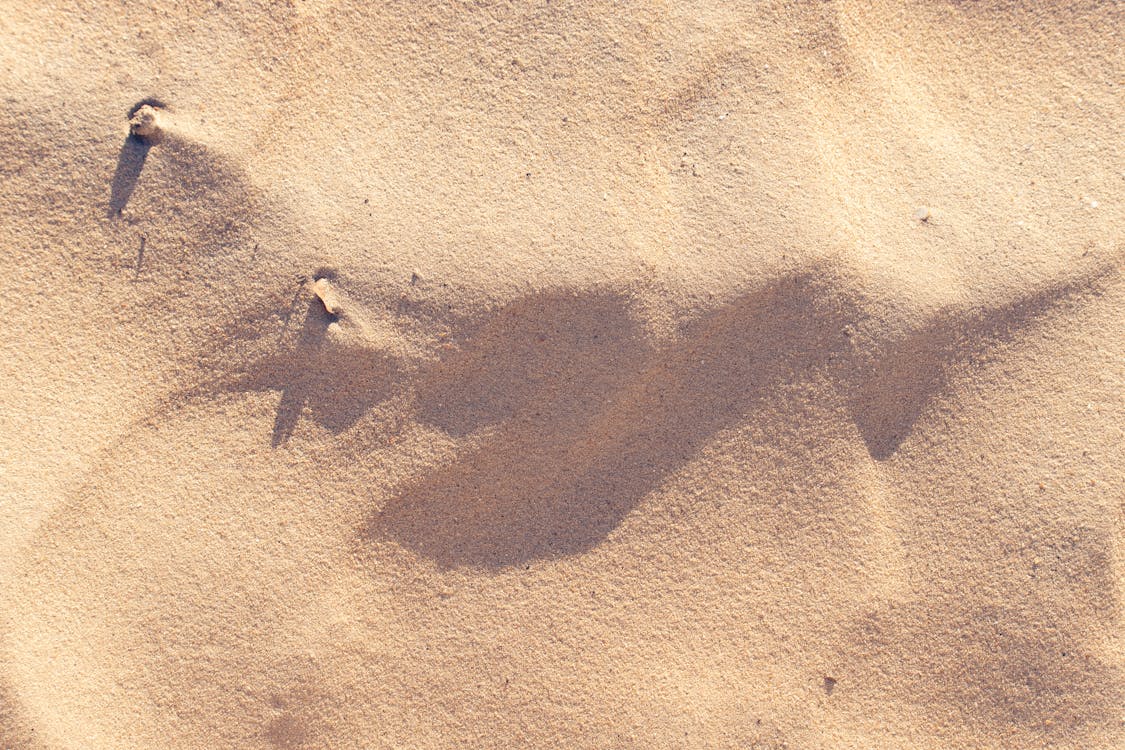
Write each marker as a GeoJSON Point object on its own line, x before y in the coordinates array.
{"type": "Point", "coordinates": [677, 376]}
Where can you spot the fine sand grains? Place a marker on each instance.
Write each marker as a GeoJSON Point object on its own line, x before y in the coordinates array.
{"type": "Point", "coordinates": [561, 375]}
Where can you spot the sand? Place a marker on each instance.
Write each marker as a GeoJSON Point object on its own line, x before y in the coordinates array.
{"type": "Point", "coordinates": [549, 374]}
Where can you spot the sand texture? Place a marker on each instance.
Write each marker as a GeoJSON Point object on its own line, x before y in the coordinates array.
{"type": "Point", "coordinates": [562, 374]}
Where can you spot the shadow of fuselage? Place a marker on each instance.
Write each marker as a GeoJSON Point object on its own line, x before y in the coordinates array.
{"type": "Point", "coordinates": [575, 418]}
{"type": "Point", "coordinates": [578, 418]}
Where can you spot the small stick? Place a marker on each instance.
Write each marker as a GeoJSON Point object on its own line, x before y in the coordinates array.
{"type": "Point", "coordinates": [322, 288]}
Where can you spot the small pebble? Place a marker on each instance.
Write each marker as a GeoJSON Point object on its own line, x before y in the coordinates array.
{"type": "Point", "coordinates": [922, 214]}
{"type": "Point", "coordinates": [145, 122]}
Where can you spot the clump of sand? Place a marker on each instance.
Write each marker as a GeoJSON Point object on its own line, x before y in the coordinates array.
{"type": "Point", "coordinates": [147, 123]}
{"type": "Point", "coordinates": [562, 375]}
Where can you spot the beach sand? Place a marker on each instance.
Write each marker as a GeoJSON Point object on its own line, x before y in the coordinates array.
{"type": "Point", "coordinates": [559, 374]}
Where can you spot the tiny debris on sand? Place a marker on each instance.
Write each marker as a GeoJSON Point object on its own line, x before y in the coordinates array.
{"type": "Point", "coordinates": [146, 123]}
{"type": "Point", "coordinates": [322, 288]}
